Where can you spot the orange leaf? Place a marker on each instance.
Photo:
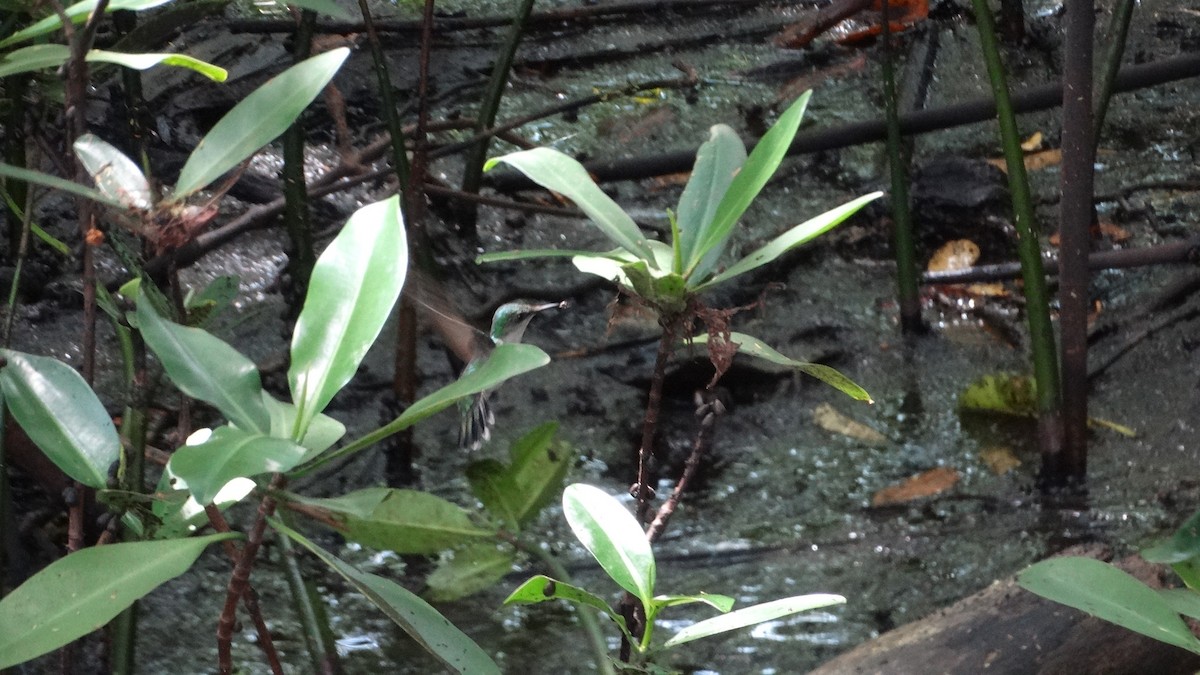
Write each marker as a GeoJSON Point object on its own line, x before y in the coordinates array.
{"type": "Point", "coordinates": [927, 484]}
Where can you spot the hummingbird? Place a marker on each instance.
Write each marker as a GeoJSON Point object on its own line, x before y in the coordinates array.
{"type": "Point", "coordinates": [508, 326]}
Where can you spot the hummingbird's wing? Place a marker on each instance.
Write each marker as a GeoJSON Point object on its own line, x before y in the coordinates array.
{"type": "Point", "coordinates": [477, 420]}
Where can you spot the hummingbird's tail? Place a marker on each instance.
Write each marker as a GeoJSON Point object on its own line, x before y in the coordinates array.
{"type": "Point", "coordinates": [477, 421]}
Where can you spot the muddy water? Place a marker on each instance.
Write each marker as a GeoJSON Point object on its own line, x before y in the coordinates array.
{"type": "Point", "coordinates": [783, 506]}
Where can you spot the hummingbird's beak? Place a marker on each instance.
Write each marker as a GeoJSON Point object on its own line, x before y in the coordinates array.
{"type": "Point", "coordinates": [551, 305]}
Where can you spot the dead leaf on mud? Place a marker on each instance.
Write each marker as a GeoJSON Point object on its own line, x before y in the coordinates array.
{"type": "Point", "coordinates": [1000, 459]}
{"type": "Point", "coordinates": [958, 254]}
{"type": "Point", "coordinates": [1033, 160]}
{"type": "Point", "coordinates": [833, 421]}
{"type": "Point", "coordinates": [927, 484]}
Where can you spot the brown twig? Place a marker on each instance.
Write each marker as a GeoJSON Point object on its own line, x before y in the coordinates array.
{"type": "Point", "coordinates": [709, 409]}
{"type": "Point", "coordinates": [250, 598]}
{"type": "Point", "coordinates": [239, 580]}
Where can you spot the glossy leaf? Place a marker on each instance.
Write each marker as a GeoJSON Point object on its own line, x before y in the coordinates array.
{"type": "Point", "coordinates": [228, 454]}
{"type": "Point", "coordinates": [145, 61]}
{"type": "Point", "coordinates": [115, 174]}
{"type": "Point", "coordinates": [61, 415]}
{"type": "Point", "coordinates": [504, 256]}
{"type": "Point", "coordinates": [541, 588]}
{"type": "Point", "coordinates": [206, 367]}
{"type": "Point", "coordinates": [56, 183]}
{"type": "Point", "coordinates": [759, 168]}
{"type": "Point", "coordinates": [756, 614]}
{"type": "Point", "coordinates": [555, 171]}
{"type": "Point", "coordinates": [77, 594]}
{"type": "Point", "coordinates": [717, 161]}
{"type": "Point", "coordinates": [612, 535]}
{"type": "Point", "coordinates": [721, 603]}
{"type": "Point", "coordinates": [1184, 545]}
{"type": "Point", "coordinates": [748, 344]}
{"type": "Point", "coordinates": [412, 614]}
{"type": "Point", "coordinates": [353, 287]}
{"type": "Point", "coordinates": [1111, 594]}
{"type": "Point", "coordinates": [468, 570]}
{"type": "Point", "coordinates": [257, 120]}
{"type": "Point", "coordinates": [404, 521]}
{"type": "Point", "coordinates": [506, 361]}
{"type": "Point", "coordinates": [789, 240]}
{"type": "Point", "coordinates": [77, 13]}
{"type": "Point", "coordinates": [323, 430]}
{"type": "Point", "coordinates": [326, 7]}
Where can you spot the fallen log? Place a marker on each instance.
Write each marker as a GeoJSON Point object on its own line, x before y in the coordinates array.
{"type": "Point", "coordinates": [1006, 630]}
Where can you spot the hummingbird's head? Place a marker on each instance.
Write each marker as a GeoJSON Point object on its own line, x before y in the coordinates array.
{"type": "Point", "coordinates": [510, 319]}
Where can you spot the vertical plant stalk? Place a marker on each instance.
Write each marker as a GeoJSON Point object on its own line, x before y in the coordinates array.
{"type": "Point", "coordinates": [250, 598]}
{"type": "Point", "coordinates": [708, 413]}
{"type": "Point", "coordinates": [1078, 188]}
{"type": "Point", "coordinates": [907, 278]}
{"type": "Point", "coordinates": [301, 257]}
{"type": "Point", "coordinates": [131, 477]}
{"type": "Point", "coordinates": [1037, 298]}
{"type": "Point", "coordinates": [1117, 38]}
{"type": "Point", "coordinates": [666, 344]}
{"type": "Point", "coordinates": [404, 372]}
{"type": "Point", "coordinates": [473, 163]}
{"type": "Point", "coordinates": [239, 580]}
{"type": "Point", "coordinates": [318, 638]}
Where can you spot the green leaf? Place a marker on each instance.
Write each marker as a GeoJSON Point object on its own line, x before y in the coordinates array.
{"type": "Point", "coordinates": [326, 7]}
{"type": "Point", "coordinates": [503, 256]}
{"type": "Point", "coordinates": [61, 415]}
{"type": "Point", "coordinates": [117, 176]}
{"type": "Point", "coordinates": [353, 287]}
{"type": "Point", "coordinates": [1183, 600]}
{"type": "Point", "coordinates": [541, 588]}
{"type": "Point", "coordinates": [33, 57]}
{"type": "Point", "coordinates": [323, 430]}
{"type": "Point", "coordinates": [506, 361]}
{"type": "Point", "coordinates": [404, 521]}
{"type": "Point", "coordinates": [231, 453]}
{"type": "Point", "coordinates": [257, 120]}
{"type": "Point", "coordinates": [717, 162]}
{"type": "Point", "coordinates": [612, 535]}
{"type": "Point", "coordinates": [538, 468]}
{"type": "Point", "coordinates": [468, 570]}
{"type": "Point", "coordinates": [77, 13]}
{"type": "Point", "coordinates": [1181, 547]}
{"type": "Point", "coordinates": [56, 183]}
{"type": "Point", "coordinates": [794, 237]}
{"type": "Point", "coordinates": [721, 603]}
{"type": "Point", "coordinates": [145, 61]}
{"type": "Point", "coordinates": [516, 493]}
{"type": "Point", "coordinates": [1106, 592]}
{"type": "Point", "coordinates": [206, 367]}
{"type": "Point", "coordinates": [555, 171]}
{"type": "Point", "coordinates": [77, 594]}
{"type": "Point", "coordinates": [1006, 393]}
{"type": "Point", "coordinates": [748, 344]}
{"type": "Point", "coordinates": [493, 485]}
{"type": "Point", "coordinates": [412, 614]}
{"type": "Point", "coordinates": [749, 616]}
{"type": "Point", "coordinates": [759, 168]}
